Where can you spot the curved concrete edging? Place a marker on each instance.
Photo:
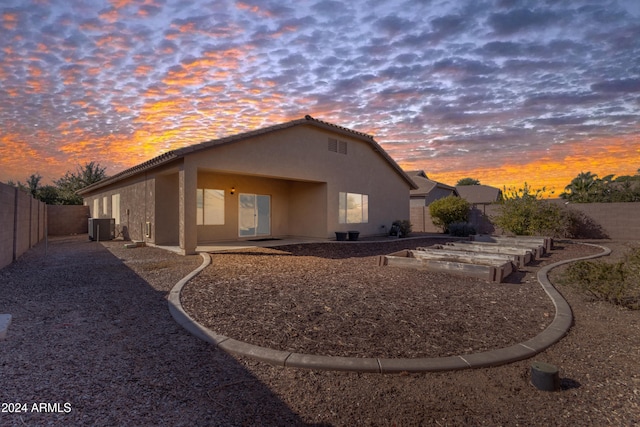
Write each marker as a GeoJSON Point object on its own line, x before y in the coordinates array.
{"type": "Point", "coordinates": [552, 334]}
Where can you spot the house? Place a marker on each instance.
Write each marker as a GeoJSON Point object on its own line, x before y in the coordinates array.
{"type": "Point", "coordinates": [428, 190]}
{"type": "Point", "coordinates": [303, 178]}
{"type": "Point", "coordinates": [479, 194]}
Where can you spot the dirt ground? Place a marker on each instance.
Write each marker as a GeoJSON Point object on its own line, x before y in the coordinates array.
{"type": "Point", "coordinates": [91, 328]}
{"type": "Point", "coordinates": [334, 300]}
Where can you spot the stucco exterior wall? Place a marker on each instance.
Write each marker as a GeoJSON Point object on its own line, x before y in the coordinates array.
{"type": "Point", "coordinates": [294, 166]}
{"type": "Point", "coordinates": [137, 206]}
{"type": "Point", "coordinates": [300, 154]}
{"type": "Point", "coordinates": [277, 189]}
{"type": "Point", "coordinates": [308, 209]}
{"type": "Point", "coordinates": [166, 228]}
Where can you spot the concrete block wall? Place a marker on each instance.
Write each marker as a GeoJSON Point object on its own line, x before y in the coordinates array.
{"type": "Point", "coordinates": [615, 221]}
{"type": "Point", "coordinates": [22, 223]}
{"type": "Point", "coordinates": [7, 210]}
{"type": "Point", "coordinates": [64, 220]}
{"type": "Point", "coordinates": [421, 220]}
{"type": "Point", "coordinates": [618, 221]}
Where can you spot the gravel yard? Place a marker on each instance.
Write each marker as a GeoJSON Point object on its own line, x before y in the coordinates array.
{"type": "Point", "coordinates": [91, 328]}
{"type": "Point", "coordinates": [333, 299]}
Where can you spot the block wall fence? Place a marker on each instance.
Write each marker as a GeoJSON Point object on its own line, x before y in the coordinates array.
{"type": "Point", "coordinates": [615, 221]}
{"type": "Point", "coordinates": [23, 222]}
{"type": "Point", "coordinates": [64, 220]}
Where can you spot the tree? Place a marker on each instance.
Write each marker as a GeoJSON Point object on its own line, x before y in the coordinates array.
{"type": "Point", "coordinates": [449, 210]}
{"type": "Point", "coordinates": [33, 184]}
{"type": "Point", "coordinates": [65, 188]}
{"type": "Point", "coordinates": [71, 182]}
{"type": "Point", "coordinates": [49, 195]}
{"type": "Point", "coordinates": [582, 189]}
{"type": "Point", "coordinates": [523, 212]}
{"type": "Point", "coordinates": [588, 188]}
{"type": "Point", "coordinates": [468, 181]}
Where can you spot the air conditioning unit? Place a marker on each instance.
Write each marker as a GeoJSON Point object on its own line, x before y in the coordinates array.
{"type": "Point", "coordinates": [102, 229]}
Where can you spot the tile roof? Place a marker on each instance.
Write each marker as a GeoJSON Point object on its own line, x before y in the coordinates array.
{"type": "Point", "coordinates": [181, 152]}
{"type": "Point", "coordinates": [425, 185]}
{"type": "Point", "coordinates": [479, 193]}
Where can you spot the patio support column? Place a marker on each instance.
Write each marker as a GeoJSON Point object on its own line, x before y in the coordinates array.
{"type": "Point", "coordinates": [188, 230]}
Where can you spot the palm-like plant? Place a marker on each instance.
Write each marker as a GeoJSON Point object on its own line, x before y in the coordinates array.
{"type": "Point", "coordinates": [582, 189]}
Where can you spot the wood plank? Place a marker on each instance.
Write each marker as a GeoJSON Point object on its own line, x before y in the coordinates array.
{"type": "Point", "coordinates": [461, 256]}
{"type": "Point", "coordinates": [545, 242]}
{"type": "Point", "coordinates": [527, 254]}
{"type": "Point", "coordinates": [492, 273]}
{"type": "Point", "coordinates": [460, 253]}
{"type": "Point", "coordinates": [536, 250]}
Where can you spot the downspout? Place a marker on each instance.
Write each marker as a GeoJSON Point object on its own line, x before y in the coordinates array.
{"type": "Point", "coordinates": [142, 231]}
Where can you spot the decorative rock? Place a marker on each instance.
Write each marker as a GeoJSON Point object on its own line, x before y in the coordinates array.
{"type": "Point", "coordinates": [544, 376]}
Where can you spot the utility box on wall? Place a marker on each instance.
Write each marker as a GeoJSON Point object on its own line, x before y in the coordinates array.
{"type": "Point", "coordinates": [102, 229]}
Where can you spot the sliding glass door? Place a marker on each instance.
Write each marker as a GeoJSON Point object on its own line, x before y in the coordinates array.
{"type": "Point", "coordinates": [254, 215]}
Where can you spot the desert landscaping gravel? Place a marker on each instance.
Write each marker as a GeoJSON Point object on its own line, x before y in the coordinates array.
{"type": "Point", "coordinates": [92, 339]}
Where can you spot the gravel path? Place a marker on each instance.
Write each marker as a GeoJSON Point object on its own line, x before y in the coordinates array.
{"type": "Point", "coordinates": [91, 328]}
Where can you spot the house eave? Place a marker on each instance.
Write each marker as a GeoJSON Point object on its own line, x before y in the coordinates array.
{"type": "Point", "coordinates": [182, 152]}
{"type": "Point", "coordinates": [142, 167]}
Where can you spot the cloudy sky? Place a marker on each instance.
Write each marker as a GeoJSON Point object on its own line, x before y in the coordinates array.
{"type": "Point", "coordinates": [504, 91]}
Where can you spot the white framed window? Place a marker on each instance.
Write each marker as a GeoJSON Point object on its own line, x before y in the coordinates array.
{"type": "Point", "coordinates": [353, 208]}
{"type": "Point", "coordinates": [105, 207]}
{"type": "Point", "coordinates": [209, 206]}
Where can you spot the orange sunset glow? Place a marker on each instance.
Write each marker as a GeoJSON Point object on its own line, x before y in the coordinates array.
{"type": "Point", "coordinates": [504, 94]}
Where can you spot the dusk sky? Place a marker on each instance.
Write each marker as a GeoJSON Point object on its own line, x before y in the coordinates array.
{"type": "Point", "coordinates": [502, 91]}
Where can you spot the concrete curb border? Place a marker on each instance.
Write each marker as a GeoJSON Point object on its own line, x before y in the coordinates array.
{"type": "Point", "coordinates": [552, 334]}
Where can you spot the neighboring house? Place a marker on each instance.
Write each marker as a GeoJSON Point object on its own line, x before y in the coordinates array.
{"type": "Point", "coordinates": [303, 178]}
{"type": "Point", "coordinates": [428, 190]}
{"type": "Point", "coordinates": [479, 194]}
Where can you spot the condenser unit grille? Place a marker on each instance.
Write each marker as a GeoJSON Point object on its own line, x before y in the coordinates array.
{"type": "Point", "coordinates": [102, 229]}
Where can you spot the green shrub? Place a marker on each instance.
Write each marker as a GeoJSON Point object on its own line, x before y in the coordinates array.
{"type": "Point", "coordinates": [461, 229]}
{"type": "Point", "coordinates": [449, 210]}
{"type": "Point", "coordinates": [617, 283]}
{"type": "Point", "coordinates": [524, 213]}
